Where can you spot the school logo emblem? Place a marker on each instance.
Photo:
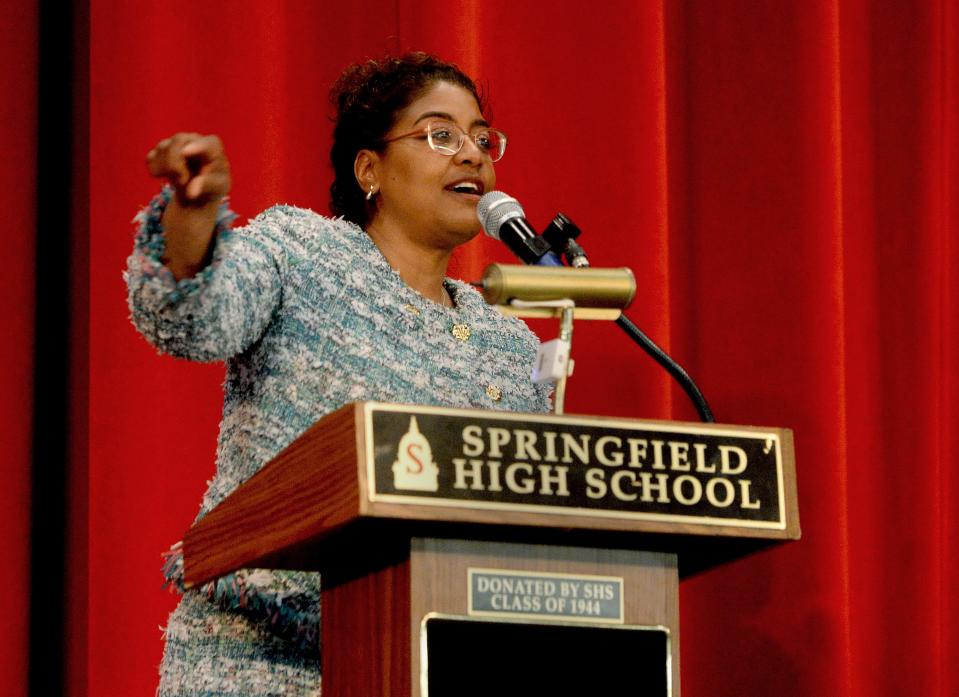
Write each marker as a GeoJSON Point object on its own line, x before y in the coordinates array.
{"type": "Point", "coordinates": [414, 468]}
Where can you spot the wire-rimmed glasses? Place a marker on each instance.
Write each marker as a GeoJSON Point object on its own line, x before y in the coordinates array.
{"type": "Point", "coordinates": [446, 138]}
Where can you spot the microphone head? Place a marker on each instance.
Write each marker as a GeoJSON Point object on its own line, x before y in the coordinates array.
{"type": "Point", "coordinates": [494, 209]}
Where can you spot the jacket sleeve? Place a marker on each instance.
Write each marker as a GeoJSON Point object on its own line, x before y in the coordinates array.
{"type": "Point", "coordinates": [224, 308]}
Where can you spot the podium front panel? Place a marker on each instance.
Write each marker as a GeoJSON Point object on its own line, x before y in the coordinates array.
{"type": "Point", "coordinates": [440, 585]}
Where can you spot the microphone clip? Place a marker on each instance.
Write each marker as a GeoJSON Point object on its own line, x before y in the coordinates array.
{"type": "Point", "coordinates": [561, 235]}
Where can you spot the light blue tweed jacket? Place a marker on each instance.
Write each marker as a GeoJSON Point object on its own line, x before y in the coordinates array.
{"type": "Point", "coordinates": [308, 316]}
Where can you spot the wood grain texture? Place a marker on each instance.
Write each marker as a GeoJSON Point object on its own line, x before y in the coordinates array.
{"type": "Point", "coordinates": [366, 636]}
{"type": "Point", "coordinates": [307, 491]}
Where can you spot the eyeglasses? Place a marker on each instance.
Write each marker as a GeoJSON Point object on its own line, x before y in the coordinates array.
{"type": "Point", "coordinates": [446, 138]}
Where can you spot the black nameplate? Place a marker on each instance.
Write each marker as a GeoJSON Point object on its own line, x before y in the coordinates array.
{"type": "Point", "coordinates": [625, 469]}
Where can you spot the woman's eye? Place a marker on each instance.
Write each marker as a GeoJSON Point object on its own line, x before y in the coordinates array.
{"type": "Point", "coordinates": [442, 136]}
{"type": "Point", "coordinates": [484, 141]}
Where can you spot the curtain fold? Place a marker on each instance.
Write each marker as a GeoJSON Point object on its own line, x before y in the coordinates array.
{"type": "Point", "coordinates": [782, 177]}
{"type": "Point", "coordinates": [18, 116]}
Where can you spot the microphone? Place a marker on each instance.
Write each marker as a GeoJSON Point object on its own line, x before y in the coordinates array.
{"type": "Point", "coordinates": [503, 219]}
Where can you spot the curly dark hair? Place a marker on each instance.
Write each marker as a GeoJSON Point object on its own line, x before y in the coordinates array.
{"type": "Point", "coordinates": [368, 96]}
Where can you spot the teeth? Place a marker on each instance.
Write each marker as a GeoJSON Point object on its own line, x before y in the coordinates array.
{"type": "Point", "coordinates": [465, 186]}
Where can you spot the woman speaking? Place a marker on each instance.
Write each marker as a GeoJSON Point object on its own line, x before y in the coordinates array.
{"type": "Point", "coordinates": [311, 313]}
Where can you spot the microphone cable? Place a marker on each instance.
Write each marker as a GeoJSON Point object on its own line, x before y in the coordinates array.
{"type": "Point", "coordinates": [671, 366]}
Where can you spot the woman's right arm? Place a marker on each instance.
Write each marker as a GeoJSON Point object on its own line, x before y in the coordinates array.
{"type": "Point", "coordinates": [196, 290]}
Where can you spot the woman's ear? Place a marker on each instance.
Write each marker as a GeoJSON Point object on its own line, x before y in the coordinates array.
{"type": "Point", "coordinates": [365, 169]}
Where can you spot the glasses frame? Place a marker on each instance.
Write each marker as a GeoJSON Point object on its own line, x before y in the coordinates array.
{"type": "Point", "coordinates": [445, 150]}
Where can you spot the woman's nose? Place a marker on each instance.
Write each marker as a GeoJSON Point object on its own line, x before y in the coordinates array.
{"type": "Point", "coordinates": [470, 152]}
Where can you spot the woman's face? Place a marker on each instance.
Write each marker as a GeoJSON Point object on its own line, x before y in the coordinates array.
{"type": "Point", "coordinates": [416, 184]}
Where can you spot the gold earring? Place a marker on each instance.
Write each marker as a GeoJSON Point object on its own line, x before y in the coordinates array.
{"type": "Point", "coordinates": [369, 196]}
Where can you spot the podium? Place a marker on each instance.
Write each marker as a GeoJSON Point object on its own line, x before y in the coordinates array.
{"type": "Point", "coordinates": [467, 551]}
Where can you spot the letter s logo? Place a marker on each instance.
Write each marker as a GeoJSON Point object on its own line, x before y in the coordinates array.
{"type": "Point", "coordinates": [419, 463]}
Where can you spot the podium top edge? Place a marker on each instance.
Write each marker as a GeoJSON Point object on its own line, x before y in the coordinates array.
{"type": "Point", "coordinates": [366, 407]}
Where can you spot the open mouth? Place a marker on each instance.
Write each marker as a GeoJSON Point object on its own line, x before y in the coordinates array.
{"type": "Point", "coordinates": [469, 187]}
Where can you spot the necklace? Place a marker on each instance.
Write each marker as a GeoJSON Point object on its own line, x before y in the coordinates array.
{"type": "Point", "coordinates": [445, 300]}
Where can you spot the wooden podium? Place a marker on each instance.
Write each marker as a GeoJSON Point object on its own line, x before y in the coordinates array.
{"type": "Point", "coordinates": [467, 551]}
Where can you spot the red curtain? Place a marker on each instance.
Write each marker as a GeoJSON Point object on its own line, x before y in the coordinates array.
{"type": "Point", "coordinates": [781, 176]}
{"type": "Point", "coordinates": [818, 151]}
{"type": "Point", "coordinates": [18, 117]}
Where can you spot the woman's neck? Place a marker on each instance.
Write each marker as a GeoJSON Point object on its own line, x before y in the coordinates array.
{"type": "Point", "coordinates": [422, 268]}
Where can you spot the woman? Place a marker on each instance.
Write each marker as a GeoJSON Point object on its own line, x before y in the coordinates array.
{"type": "Point", "coordinates": [311, 313]}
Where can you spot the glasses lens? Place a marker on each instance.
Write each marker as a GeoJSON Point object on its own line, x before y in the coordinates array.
{"type": "Point", "coordinates": [445, 137]}
{"type": "Point", "coordinates": [493, 143]}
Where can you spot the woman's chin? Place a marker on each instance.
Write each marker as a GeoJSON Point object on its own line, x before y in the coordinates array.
{"type": "Point", "coordinates": [462, 225]}
{"type": "Point", "coordinates": [462, 236]}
